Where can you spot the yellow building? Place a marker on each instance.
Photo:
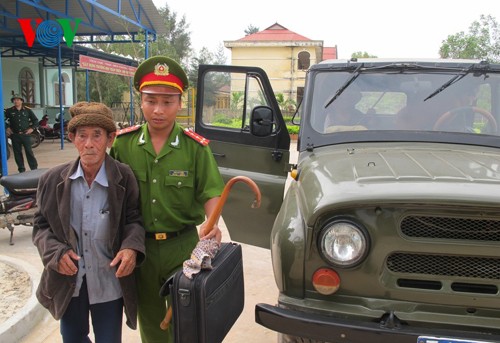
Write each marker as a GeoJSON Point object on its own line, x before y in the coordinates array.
{"type": "Point", "coordinates": [283, 54]}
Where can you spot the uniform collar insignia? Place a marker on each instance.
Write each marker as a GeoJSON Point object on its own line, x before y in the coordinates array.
{"type": "Point", "coordinates": [161, 69]}
{"type": "Point", "coordinates": [141, 138]}
{"type": "Point", "coordinates": [175, 143]}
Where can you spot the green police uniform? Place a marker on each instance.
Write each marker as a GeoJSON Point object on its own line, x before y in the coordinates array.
{"type": "Point", "coordinates": [174, 186]}
{"type": "Point", "coordinates": [19, 121]}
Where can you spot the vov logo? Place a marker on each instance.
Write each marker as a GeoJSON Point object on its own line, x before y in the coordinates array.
{"type": "Point", "coordinates": [48, 32]}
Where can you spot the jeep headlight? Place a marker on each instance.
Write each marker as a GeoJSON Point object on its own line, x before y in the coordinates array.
{"type": "Point", "coordinates": [343, 243]}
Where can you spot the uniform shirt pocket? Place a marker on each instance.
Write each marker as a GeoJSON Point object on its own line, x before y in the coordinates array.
{"type": "Point", "coordinates": [180, 190]}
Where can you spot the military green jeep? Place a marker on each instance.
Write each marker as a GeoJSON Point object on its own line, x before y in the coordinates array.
{"type": "Point", "coordinates": [390, 229]}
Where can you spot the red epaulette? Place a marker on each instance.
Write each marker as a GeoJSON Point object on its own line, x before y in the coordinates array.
{"type": "Point", "coordinates": [128, 129]}
{"type": "Point", "coordinates": [193, 135]}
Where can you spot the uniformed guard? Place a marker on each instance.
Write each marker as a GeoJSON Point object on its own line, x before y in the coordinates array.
{"type": "Point", "coordinates": [20, 121]}
{"type": "Point", "coordinates": [179, 184]}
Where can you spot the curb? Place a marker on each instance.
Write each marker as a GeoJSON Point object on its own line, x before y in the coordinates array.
{"type": "Point", "coordinates": [24, 320]}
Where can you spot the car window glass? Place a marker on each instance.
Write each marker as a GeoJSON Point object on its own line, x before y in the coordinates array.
{"type": "Point", "coordinates": [229, 99]}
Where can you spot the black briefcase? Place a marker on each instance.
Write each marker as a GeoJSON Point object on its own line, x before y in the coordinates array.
{"type": "Point", "coordinates": [206, 307]}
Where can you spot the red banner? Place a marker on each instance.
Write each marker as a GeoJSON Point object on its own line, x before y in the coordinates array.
{"type": "Point", "coordinates": [104, 66]}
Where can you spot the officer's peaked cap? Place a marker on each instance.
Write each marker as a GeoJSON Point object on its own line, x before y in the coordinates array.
{"type": "Point", "coordinates": [160, 75]}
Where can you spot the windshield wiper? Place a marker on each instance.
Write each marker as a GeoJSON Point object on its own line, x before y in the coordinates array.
{"type": "Point", "coordinates": [451, 81]}
{"type": "Point", "coordinates": [346, 84]}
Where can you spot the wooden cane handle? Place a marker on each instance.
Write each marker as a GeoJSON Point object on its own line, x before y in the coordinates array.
{"type": "Point", "coordinates": [165, 323]}
{"type": "Point", "coordinates": [225, 192]}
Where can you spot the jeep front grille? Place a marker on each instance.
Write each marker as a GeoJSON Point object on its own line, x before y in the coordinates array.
{"type": "Point", "coordinates": [473, 229]}
{"type": "Point", "coordinates": [442, 265]}
{"type": "Point", "coordinates": [434, 271]}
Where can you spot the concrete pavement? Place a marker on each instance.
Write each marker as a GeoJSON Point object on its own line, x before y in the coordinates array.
{"type": "Point", "coordinates": [259, 279]}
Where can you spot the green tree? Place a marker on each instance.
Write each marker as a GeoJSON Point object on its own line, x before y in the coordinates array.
{"type": "Point", "coordinates": [481, 42]}
{"type": "Point", "coordinates": [285, 104]}
{"type": "Point", "coordinates": [237, 100]}
{"type": "Point", "coordinates": [105, 88]}
{"type": "Point", "coordinates": [109, 88]}
{"type": "Point", "coordinates": [205, 56]}
{"type": "Point", "coordinates": [251, 30]}
{"type": "Point", "coordinates": [175, 43]}
{"type": "Point", "coordinates": [363, 54]}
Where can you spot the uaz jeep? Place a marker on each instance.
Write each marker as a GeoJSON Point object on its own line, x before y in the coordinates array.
{"type": "Point", "coordinates": [390, 229]}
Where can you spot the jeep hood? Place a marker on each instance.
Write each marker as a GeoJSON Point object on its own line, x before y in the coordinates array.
{"type": "Point", "coordinates": [372, 174]}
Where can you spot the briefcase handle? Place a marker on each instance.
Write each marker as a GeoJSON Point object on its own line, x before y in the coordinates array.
{"type": "Point", "coordinates": [165, 289]}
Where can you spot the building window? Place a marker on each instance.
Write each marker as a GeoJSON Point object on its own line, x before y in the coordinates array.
{"type": "Point", "coordinates": [27, 82]}
{"type": "Point", "coordinates": [65, 83]}
{"type": "Point", "coordinates": [304, 60]}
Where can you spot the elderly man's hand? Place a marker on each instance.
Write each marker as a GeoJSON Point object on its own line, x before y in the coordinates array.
{"type": "Point", "coordinates": [66, 265]}
{"type": "Point", "coordinates": [126, 259]}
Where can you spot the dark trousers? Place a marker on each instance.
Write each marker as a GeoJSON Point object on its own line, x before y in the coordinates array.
{"type": "Point", "coordinates": [106, 320]}
{"type": "Point", "coordinates": [18, 142]}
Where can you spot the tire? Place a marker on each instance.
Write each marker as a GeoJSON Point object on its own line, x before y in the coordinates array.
{"type": "Point", "coordinates": [36, 139]}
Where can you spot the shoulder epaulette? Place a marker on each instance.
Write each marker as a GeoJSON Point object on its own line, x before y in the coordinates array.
{"type": "Point", "coordinates": [193, 135]}
{"type": "Point", "coordinates": [128, 129]}
{"type": "Point", "coordinates": [29, 108]}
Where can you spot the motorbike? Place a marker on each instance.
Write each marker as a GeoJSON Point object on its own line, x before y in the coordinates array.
{"type": "Point", "coordinates": [18, 204]}
{"type": "Point", "coordinates": [36, 138]}
{"type": "Point", "coordinates": [54, 132]}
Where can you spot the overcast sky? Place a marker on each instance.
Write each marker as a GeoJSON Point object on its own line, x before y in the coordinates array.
{"type": "Point", "coordinates": [384, 28]}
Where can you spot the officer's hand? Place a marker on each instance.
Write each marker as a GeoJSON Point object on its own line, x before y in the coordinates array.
{"type": "Point", "coordinates": [214, 233]}
{"type": "Point", "coordinates": [29, 131]}
{"type": "Point", "coordinates": [9, 131]}
{"type": "Point", "coordinates": [126, 258]}
{"type": "Point", "coordinates": [67, 265]}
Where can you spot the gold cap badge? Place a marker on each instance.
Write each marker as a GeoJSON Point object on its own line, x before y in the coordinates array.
{"type": "Point", "coordinates": [161, 69]}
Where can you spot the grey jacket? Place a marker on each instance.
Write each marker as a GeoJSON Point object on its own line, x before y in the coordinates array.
{"type": "Point", "coordinates": [53, 236]}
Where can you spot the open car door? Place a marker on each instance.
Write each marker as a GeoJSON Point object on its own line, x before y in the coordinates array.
{"type": "Point", "coordinates": [237, 111]}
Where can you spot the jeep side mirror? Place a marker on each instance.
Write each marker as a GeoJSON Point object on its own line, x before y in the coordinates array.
{"type": "Point", "coordinates": [261, 121]}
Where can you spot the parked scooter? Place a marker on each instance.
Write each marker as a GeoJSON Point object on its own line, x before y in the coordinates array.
{"type": "Point", "coordinates": [54, 132]}
{"type": "Point", "coordinates": [36, 138]}
{"type": "Point", "coordinates": [18, 205]}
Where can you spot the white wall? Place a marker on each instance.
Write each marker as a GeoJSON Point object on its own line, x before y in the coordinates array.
{"type": "Point", "coordinates": [11, 66]}
{"type": "Point", "coordinates": [52, 80]}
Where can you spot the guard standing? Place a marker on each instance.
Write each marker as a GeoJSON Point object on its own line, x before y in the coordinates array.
{"type": "Point", "coordinates": [20, 121]}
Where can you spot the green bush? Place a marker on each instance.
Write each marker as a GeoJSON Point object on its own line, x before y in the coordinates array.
{"type": "Point", "coordinates": [222, 119]}
{"type": "Point", "coordinates": [293, 129]}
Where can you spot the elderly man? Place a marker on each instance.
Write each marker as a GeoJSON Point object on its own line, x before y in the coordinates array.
{"type": "Point", "coordinates": [88, 231]}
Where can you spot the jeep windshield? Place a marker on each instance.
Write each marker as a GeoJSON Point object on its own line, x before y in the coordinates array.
{"type": "Point", "coordinates": [417, 101]}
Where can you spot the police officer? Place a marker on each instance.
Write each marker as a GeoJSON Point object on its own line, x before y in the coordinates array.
{"type": "Point", "coordinates": [20, 121]}
{"type": "Point", "coordinates": [179, 185]}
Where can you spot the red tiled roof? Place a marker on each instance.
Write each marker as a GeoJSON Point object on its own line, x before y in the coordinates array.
{"type": "Point", "coordinates": [275, 32]}
{"type": "Point", "coordinates": [329, 53]}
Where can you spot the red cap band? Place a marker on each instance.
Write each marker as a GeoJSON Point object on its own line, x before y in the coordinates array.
{"type": "Point", "coordinates": [165, 80]}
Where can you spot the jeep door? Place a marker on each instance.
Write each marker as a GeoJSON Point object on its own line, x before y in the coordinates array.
{"type": "Point", "coordinates": [237, 111]}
